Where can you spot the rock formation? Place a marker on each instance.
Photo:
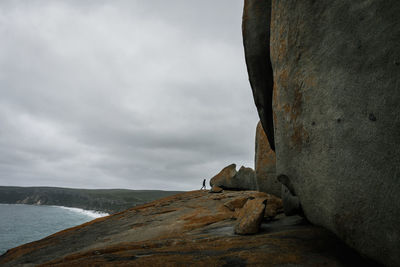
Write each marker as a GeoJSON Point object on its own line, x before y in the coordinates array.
{"type": "Point", "coordinates": [236, 203]}
{"type": "Point", "coordinates": [274, 205]}
{"type": "Point", "coordinates": [250, 216]}
{"type": "Point", "coordinates": [224, 175]}
{"type": "Point", "coordinates": [193, 228]}
{"type": "Point", "coordinates": [256, 34]}
{"type": "Point", "coordinates": [265, 165]}
{"type": "Point", "coordinates": [336, 69]}
{"type": "Point", "coordinates": [229, 178]}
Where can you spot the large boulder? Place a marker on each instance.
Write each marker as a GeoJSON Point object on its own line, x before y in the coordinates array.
{"type": "Point", "coordinates": [229, 178]}
{"type": "Point", "coordinates": [245, 179]}
{"type": "Point", "coordinates": [265, 164]}
{"type": "Point", "coordinates": [336, 69]}
{"type": "Point", "coordinates": [223, 176]}
{"type": "Point", "coordinates": [250, 216]}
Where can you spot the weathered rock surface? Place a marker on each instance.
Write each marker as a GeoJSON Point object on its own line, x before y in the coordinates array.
{"type": "Point", "coordinates": [236, 203]}
{"type": "Point", "coordinates": [229, 178]}
{"type": "Point", "coordinates": [250, 216]}
{"type": "Point", "coordinates": [256, 35]}
{"type": "Point", "coordinates": [336, 76]}
{"type": "Point", "coordinates": [274, 206]}
{"type": "Point", "coordinates": [216, 189]}
{"type": "Point", "coordinates": [245, 179]}
{"type": "Point", "coordinates": [265, 165]}
{"type": "Point", "coordinates": [193, 228]}
{"type": "Point", "coordinates": [291, 203]}
{"type": "Point", "coordinates": [225, 175]}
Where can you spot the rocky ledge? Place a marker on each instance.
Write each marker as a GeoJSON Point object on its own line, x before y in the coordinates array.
{"type": "Point", "coordinates": [193, 228]}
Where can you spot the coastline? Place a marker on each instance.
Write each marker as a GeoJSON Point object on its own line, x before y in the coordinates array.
{"type": "Point", "coordinates": [91, 213]}
{"type": "Point", "coordinates": [24, 223]}
{"type": "Point", "coordinates": [100, 200]}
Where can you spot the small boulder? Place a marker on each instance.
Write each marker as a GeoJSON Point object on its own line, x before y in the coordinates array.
{"type": "Point", "coordinates": [236, 203]}
{"type": "Point", "coordinates": [216, 189]}
{"type": "Point", "coordinates": [250, 216]}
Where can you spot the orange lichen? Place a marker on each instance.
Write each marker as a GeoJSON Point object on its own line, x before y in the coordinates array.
{"type": "Point", "coordinates": [287, 247]}
{"type": "Point", "coordinates": [202, 217]}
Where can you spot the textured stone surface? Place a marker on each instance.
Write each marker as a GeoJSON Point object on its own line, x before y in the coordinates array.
{"type": "Point", "coordinates": [192, 229]}
{"type": "Point", "coordinates": [216, 189]}
{"type": "Point", "coordinates": [256, 34]}
{"type": "Point", "coordinates": [274, 206]}
{"type": "Point", "coordinates": [291, 203]}
{"type": "Point", "coordinates": [229, 178]}
{"type": "Point", "coordinates": [336, 95]}
{"type": "Point", "coordinates": [250, 216]}
{"type": "Point", "coordinates": [236, 203]}
{"type": "Point", "coordinates": [265, 165]}
{"type": "Point", "coordinates": [245, 179]}
{"type": "Point", "coordinates": [224, 175]}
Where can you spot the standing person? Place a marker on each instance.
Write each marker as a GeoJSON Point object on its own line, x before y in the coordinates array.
{"type": "Point", "coordinates": [204, 185]}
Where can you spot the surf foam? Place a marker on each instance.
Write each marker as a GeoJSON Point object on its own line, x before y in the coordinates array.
{"type": "Point", "coordinates": [90, 213]}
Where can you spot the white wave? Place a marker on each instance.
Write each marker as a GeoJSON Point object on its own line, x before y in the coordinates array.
{"type": "Point", "coordinates": [90, 213]}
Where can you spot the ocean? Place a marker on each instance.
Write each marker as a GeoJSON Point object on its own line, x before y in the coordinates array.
{"type": "Point", "coordinates": [20, 224]}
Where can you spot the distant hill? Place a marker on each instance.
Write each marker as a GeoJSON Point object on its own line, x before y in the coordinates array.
{"type": "Point", "coordinates": [105, 200]}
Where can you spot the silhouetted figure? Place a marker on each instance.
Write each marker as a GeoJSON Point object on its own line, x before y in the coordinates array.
{"type": "Point", "coordinates": [204, 185]}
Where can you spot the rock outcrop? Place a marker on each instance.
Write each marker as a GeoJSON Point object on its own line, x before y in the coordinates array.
{"type": "Point", "coordinates": [265, 164]}
{"type": "Point", "coordinates": [225, 175]}
{"type": "Point", "coordinates": [336, 69]}
{"type": "Point", "coordinates": [250, 216]}
{"type": "Point", "coordinates": [229, 178]}
{"type": "Point", "coordinates": [236, 203]}
{"type": "Point", "coordinates": [245, 179]}
{"type": "Point", "coordinates": [193, 228]}
{"type": "Point", "coordinates": [256, 35]}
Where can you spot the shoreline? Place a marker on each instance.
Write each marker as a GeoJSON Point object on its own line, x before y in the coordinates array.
{"type": "Point", "coordinates": [90, 213]}
{"type": "Point", "coordinates": [100, 200]}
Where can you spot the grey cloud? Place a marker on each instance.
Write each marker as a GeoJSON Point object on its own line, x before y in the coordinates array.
{"type": "Point", "coordinates": [129, 94]}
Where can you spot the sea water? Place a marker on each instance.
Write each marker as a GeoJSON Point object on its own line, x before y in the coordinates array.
{"type": "Point", "coordinates": [20, 224]}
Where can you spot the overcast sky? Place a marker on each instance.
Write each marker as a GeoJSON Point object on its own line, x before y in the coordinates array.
{"type": "Point", "coordinates": [146, 94]}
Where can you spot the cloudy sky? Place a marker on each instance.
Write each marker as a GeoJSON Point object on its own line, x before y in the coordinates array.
{"type": "Point", "coordinates": [139, 94]}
